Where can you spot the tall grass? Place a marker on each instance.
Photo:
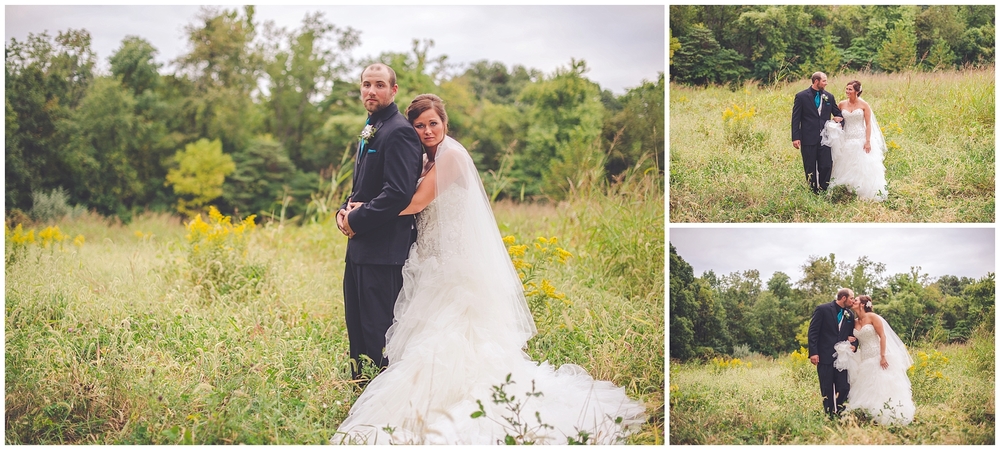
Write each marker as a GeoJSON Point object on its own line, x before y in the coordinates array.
{"type": "Point", "coordinates": [109, 343]}
{"type": "Point", "coordinates": [741, 166]}
{"type": "Point", "coordinates": [778, 402]}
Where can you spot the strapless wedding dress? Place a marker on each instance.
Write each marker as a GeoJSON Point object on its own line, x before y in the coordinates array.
{"type": "Point", "coordinates": [884, 393]}
{"type": "Point", "coordinates": [863, 173]}
{"type": "Point", "coordinates": [458, 333]}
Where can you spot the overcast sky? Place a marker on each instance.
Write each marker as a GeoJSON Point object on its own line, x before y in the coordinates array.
{"type": "Point", "coordinates": [961, 252]}
{"type": "Point", "coordinates": [622, 45]}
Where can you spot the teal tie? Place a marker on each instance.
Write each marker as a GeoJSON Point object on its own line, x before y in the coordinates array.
{"type": "Point", "coordinates": [840, 315]}
{"type": "Point", "coordinates": [817, 99]}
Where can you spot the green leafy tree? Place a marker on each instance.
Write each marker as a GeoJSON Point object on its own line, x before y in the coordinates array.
{"type": "Point", "coordinates": [224, 68]}
{"type": "Point", "coordinates": [940, 57]}
{"type": "Point", "coordinates": [780, 285]}
{"type": "Point", "coordinates": [561, 153]}
{"type": "Point", "coordinates": [701, 60]}
{"type": "Point", "coordinates": [492, 81]}
{"type": "Point", "coordinates": [863, 277]}
{"type": "Point", "coordinates": [264, 178]}
{"type": "Point", "coordinates": [739, 292]}
{"type": "Point", "coordinates": [977, 45]}
{"type": "Point", "coordinates": [900, 51]}
{"type": "Point", "coordinates": [45, 79]}
{"type": "Point", "coordinates": [846, 22]}
{"type": "Point", "coordinates": [981, 297]}
{"type": "Point", "coordinates": [819, 283]}
{"type": "Point", "coordinates": [683, 307]}
{"type": "Point", "coordinates": [709, 323]}
{"type": "Point", "coordinates": [103, 149]}
{"type": "Point", "coordinates": [201, 170]}
{"type": "Point", "coordinates": [827, 60]}
{"type": "Point", "coordinates": [775, 326]}
{"type": "Point", "coordinates": [763, 40]}
{"type": "Point", "coordinates": [635, 135]}
{"type": "Point", "coordinates": [938, 22]}
{"type": "Point", "coordinates": [302, 68]}
{"type": "Point", "coordinates": [135, 67]}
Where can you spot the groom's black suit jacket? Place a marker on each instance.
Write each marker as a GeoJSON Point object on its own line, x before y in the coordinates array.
{"type": "Point", "coordinates": [823, 332]}
{"type": "Point", "coordinates": [385, 178]}
{"type": "Point", "coordinates": [806, 122]}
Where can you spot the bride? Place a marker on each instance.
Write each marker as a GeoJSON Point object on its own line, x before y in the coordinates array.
{"type": "Point", "coordinates": [858, 148]}
{"type": "Point", "coordinates": [877, 371]}
{"type": "Point", "coordinates": [461, 321]}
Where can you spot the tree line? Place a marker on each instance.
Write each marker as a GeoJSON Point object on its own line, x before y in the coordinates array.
{"type": "Point", "coordinates": [257, 119]}
{"type": "Point", "coordinates": [723, 44]}
{"type": "Point", "coordinates": [713, 314]}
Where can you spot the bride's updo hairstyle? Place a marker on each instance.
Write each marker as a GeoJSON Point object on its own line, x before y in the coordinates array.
{"type": "Point", "coordinates": [857, 88]}
{"type": "Point", "coordinates": [422, 103]}
{"type": "Point", "coordinates": [866, 302]}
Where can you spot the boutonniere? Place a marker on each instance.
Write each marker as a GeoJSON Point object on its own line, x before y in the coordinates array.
{"type": "Point", "coordinates": [368, 132]}
{"type": "Point", "coordinates": [825, 98]}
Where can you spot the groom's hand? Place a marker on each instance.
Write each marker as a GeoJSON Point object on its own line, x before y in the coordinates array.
{"type": "Point", "coordinates": [814, 359]}
{"type": "Point", "coordinates": [341, 219]}
{"type": "Point", "coordinates": [797, 143]}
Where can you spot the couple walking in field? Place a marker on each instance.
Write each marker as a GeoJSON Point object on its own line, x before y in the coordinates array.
{"type": "Point", "coordinates": [860, 361]}
{"type": "Point", "coordinates": [432, 299]}
{"type": "Point", "coordinates": [841, 143]}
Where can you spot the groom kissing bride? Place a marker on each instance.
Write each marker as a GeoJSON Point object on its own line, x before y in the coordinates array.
{"type": "Point", "coordinates": [860, 361]}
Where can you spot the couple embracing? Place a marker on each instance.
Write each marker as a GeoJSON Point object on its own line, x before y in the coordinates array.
{"type": "Point", "coordinates": [432, 299]}
{"type": "Point", "coordinates": [860, 361]}
{"type": "Point", "coordinates": [841, 143]}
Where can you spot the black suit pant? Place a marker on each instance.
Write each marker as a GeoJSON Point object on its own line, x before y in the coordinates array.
{"type": "Point", "coordinates": [370, 292]}
{"type": "Point", "coordinates": [817, 160]}
{"type": "Point", "coordinates": [834, 387]}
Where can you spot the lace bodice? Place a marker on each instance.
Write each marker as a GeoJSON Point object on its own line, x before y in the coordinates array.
{"type": "Point", "coordinates": [854, 124]}
{"type": "Point", "coordinates": [431, 227]}
{"type": "Point", "coordinates": [868, 342]}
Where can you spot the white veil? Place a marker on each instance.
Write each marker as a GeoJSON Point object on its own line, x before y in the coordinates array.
{"type": "Point", "coordinates": [472, 251]}
{"type": "Point", "coordinates": [894, 347]}
{"type": "Point", "coordinates": [877, 139]}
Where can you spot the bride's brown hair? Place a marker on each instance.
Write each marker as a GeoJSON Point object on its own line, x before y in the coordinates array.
{"type": "Point", "coordinates": [422, 103]}
{"type": "Point", "coordinates": [857, 88]}
{"type": "Point", "coordinates": [865, 300]}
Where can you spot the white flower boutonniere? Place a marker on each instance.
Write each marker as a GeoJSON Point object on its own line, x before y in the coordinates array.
{"type": "Point", "coordinates": [825, 98]}
{"type": "Point", "coordinates": [368, 132]}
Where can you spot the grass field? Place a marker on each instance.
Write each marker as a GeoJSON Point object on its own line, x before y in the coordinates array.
{"type": "Point", "coordinates": [740, 166]}
{"type": "Point", "coordinates": [767, 401]}
{"type": "Point", "coordinates": [122, 338]}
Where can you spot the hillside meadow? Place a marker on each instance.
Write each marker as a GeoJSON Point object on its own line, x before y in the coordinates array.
{"type": "Point", "coordinates": [222, 332]}
{"type": "Point", "coordinates": [731, 157]}
{"type": "Point", "coordinates": [760, 400]}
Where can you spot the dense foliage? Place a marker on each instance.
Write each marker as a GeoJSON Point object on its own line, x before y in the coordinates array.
{"type": "Point", "coordinates": [720, 44]}
{"type": "Point", "coordinates": [714, 314]}
{"type": "Point", "coordinates": [283, 106]}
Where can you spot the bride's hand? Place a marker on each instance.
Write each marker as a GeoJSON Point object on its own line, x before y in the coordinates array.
{"type": "Point", "coordinates": [868, 147]}
{"type": "Point", "coordinates": [884, 363]}
{"type": "Point", "coordinates": [351, 206]}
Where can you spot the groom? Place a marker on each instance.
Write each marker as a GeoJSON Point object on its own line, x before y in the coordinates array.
{"type": "Point", "coordinates": [387, 166]}
{"type": "Point", "coordinates": [810, 111]}
{"type": "Point", "coordinates": [831, 323]}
